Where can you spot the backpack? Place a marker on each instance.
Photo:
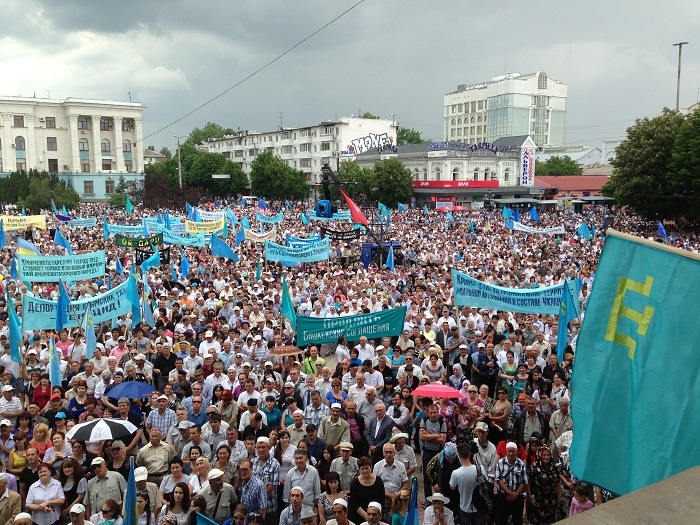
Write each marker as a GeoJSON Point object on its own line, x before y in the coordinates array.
{"type": "Point", "coordinates": [482, 497]}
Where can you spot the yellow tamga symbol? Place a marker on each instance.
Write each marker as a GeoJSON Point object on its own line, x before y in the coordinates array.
{"type": "Point", "coordinates": [620, 310]}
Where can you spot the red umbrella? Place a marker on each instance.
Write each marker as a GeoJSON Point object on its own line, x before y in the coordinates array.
{"type": "Point", "coordinates": [436, 390]}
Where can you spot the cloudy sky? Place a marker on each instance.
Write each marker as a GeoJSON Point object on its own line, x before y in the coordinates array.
{"type": "Point", "coordinates": [388, 57]}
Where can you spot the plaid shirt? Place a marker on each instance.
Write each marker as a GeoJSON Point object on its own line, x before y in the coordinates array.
{"type": "Point", "coordinates": [164, 421]}
{"type": "Point", "coordinates": [512, 475]}
{"type": "Point", "coordinates": [268, 474]}
{"type": "Point", "coordinates": [254, 495]}
{"type": "Point", "coordinates": [315, 415]}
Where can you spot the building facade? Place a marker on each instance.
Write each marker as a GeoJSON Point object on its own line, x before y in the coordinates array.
{"type": "Point", "coordinates": [507, 106]}
{"type": "Point", "coordinates": [308, 148]}
{"type": "Point", "coordinates": [88, 143]}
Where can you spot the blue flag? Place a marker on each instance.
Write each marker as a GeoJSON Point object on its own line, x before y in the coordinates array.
{"type": "Point", "coordinates": [119, 268]}
{"type": "Point", "coordinates": [258, 269]}
{"type": "Point", "coordinates": [412, 511]}
{"type": "Point", "coordinates": [184, 265]}
{"type": "Point", "coordinates": [130, 513]}
{"type": "Point", "coordinates": [509, 224]}
{"type": "Point", "coordinates": [245, 223]}
{"type": "Point", "coordinates": [425, 209]}
{"type": "Point", "coordinates": [197, 217]}
{"type": "Point", "coordinates": [507, 212]}
{"type": "Point", "coordinates": [287, 204]}
{"type": "Point", "coordinates": [471, 226]}
{"type": "Point", "coordinates": [64, 211]}
{"type": "Point", "coordinates": [173, 275]}
{"type": "Point", "coordinates": [383, 209]}
{"type": "Point", "coordinates": [219, 248]}
{"type": "Point", "coordinates": [148, 312]}
{"type": "Point", "coordinates": [166, 220]}
{"type": "Point", "coordinates": [159, 219]}
{"type": "Point", "coordinates": [24, 212]}
{"type": "Point", "coordinates": [54, 363]}
{"type": "Point", "coordinates": [567, 313]}
{"type": "Point", "coordinates": [60, 240]}
{"type": "Point", "coordinates": [128, 206]}
{"type": "Point", "coordinates": [151, 262]}
{"type": "Point", "coordinates": [62, 307]}
{"type": "Point", "coordinates": [661, 231]}
{"type": "Point", "coordinates": [262, 204]}
{"type": "Point", "coordinates": [449, 216]}
{"type": "Point", "coordinates": [188, 208]}
{"type": "Point", "coordinates": [14, 274]}
{"type": "Point", "coordinates": [287, 309]}
{"type": "Point", "coordinates": [105, 229]}
{"type": "Point", "coordinates": [402, 207]}
{"type": "Point", "coordinates": [132, 295]}
{"type": "Point", "coordinates": [390, 259]}
{"type": "Point", "coordinates": [3, 239]}
{"type": "Point", "coordinates": [642, 310]}
{"type": "Point", "coordinates": [584, 231]}
{"type": "Point", "coordinates": [15, 332]}
{"type": "Point", "coordinates": [53, 206]}
{"type": "Point", "coordinates": [224, 232]}
{"type": "Point", "coordinates": [304, 219]}
{"type": "Point", "coordinates": [534, 215]}
{"type": "Point", "coordinates": [240, 236]}
{"type": "Point", "coordinates": [516, 215]}
{"type": "Point", "coordinates": [89, 330]}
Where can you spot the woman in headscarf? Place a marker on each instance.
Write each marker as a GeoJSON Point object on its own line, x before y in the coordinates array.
{"type": "Point", "coordinates": [439, 471]}
{"type": "Point", "coordinates": [544, 489]}
{"type": "Point", "coordinates": [456, 380]}
{"type": "Point", "coordinates": [463, 392]}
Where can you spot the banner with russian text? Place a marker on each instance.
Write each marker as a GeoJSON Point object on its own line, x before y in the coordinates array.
{"type": "Point", "coordinates": [205, 227]}
{"type": "Point", "coordinates": [347, 235]}
{"type": "Point", "coordinates": [138, 242]}
{"type": "Point", "coordinates": [552, 230]}
{"type": "Point", "coordinates": [250, 235]}
{"type": "Point", "coordinates": [472, 292]}
{"type": "Point", "coordinates": [385, 323]}
{"type": "Point", "coordinates": [337, 216]}
{"type": "Point", "coordinates": [318, 251]}
{"type": "Point", "coordinates": [297, 242]}
{"type": "Point", "coordinates": [261, 217]}
{"type": "Point", "coordinates": [50, 269]}
{"type": "Point", "coordinates": [40, 314]}
{"type": "Point", "coordinates": [124, 229]}
{"type": "Point", "coordinates": [170, 237]}
{"type": "Point", "coordinates": [210, 215]}
{"type": "Point", "coordinates": [152, 225]}
{"type": "Point", "coordinates": [90, 222]}
{"type": "Point", "coordinates": [19, 222]}
{"type": "Point", "coordinates": [142, 255]}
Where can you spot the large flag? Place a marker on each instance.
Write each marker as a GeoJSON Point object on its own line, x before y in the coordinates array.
{"type": "Point", "coordinates": [304, 219]}
{"type": "Point", "coordinates": [151, 262]}
{"type": "Point", "coordinates": [15, 332]}
{"type": "Point", "coordinates": [128, 206]}
{"type": "Point", "coordinates": [287, 309]}
{"type": "Point", "coordinates": [661, 231]}
{"type": "Point", "coordinates": [14, 274]}
{"type": "Point", "coordinates": [534, 215]}
{"type": "Point", "coordinates": [449, 216]}
{"type": "Point", "coordinates": [384, 210]}
{"type": "Point", "coordinates": [219, 248]}
{"type": "Point", "coordinates": [184, 265]}
{"type": "Point", "coordinates": [355, 212]}
{"type": "Point", "coordinates": [567, 313]}
{"type": "Point", "coordinates": [240, 236]}
{"type": "Point", "coordinates": [258, 269]}
{"type": "Point", "coordinates": [89, 329]}
{"type": "Point", "coordinates": [584, 231]}
{"type": "Point", "coordinates": [166, 221]}
{"type": "Point", "coordinates": [2, 236]}
{"type": "Point", "coordinates": [60, 240]}
{"type": "Point", "coordinates": [119, 267]}
{"type": "Point", "coordinates": [642, 312]}
{"type": "Point", "coordinates": [54, 363]}
{"type": "Point", "coordinates": [27, 248]}
{"type": "Point", "coordinates": [516, 215]}
{"type": "Point", "coordinates": [402, 207]}
{"type": "Point", "coordinates": [245, 222]}
{"type": "Point", "coordinates": [62, 307]}
{"type": "Point", "coordinates": [425, 209]}
{"type": "Point", "coordinates": [130, 513]}
{"type": "Point", "coordinates": [188, 207]}
{"type": "Point", "coordinates": [412, 511]}
{"type": "Point", "coordinates": [390, 259]}
{"type": "Point", "coordinates": [507, 212]}
{"type": "Point", "coordinates": [132, 295]}
{"type": "Point", "coordinates": [105, 229]}
{"type": "Point", "coordinates": [262, 204]}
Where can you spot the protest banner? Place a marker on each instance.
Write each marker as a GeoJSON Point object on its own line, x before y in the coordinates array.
{"type": "Point", "coordinates": [89, 222]}
{"type": "Point", "coordinates": [337, 216]}
{"type": "Point", "coordinates": [261, 217]}
{"type": "Point", "coordinates": [138, 242]}
{"type": "Point", "coordinates": [205, 227]}
{"type": "Point", "coordinates": [210, 215]}
{"type": "Point", "coordinates": [297, 242]}
{"type": "Point", "coordinates": [336, 235]}
{"type": "Point", "coordinates": [40, 314]}
{"type": "Point", "coordinates": [142, 255]}
{"type": "Point", "coordinates": [377, 324]}
{"type": "Point", "coordinates": [318, 251]}
{"type": "Point", "coordinates": [124, 229]}
{"type": "Point", "coordinates": [171, 237]}
{"type": "Point", "coordinates": [50, 269]}
{"type": "Point", "coordinates": [552, 230]}
{"type": "Point", "coordinates": [19, 222]}
{"type": "Point", "coordinates": [250, 235]}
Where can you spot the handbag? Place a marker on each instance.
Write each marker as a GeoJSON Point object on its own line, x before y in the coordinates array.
{"type": "Point", "coordinates": [482, 496]}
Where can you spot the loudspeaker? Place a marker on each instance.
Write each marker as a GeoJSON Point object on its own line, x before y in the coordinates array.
{"type": "Point", "coordinates": [323, 209]}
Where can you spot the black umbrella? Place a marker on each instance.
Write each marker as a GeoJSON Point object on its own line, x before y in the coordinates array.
{"type": "Point", "coordinates": [99, 429]}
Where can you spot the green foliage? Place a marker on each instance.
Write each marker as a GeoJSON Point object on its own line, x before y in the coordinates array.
{"type": "Point", "coordinates": [393, 182]}
{"type": "Point", "coordinates": [557, 166]}
{"type": "Point", "coordinates": [166, 151]}
{"type": "Point", "coordinates": [211, 130]}
{"type": "Point", "coordinates": [356, 180]}
{"type": "Point", "coordinates": [271, 178]}
{"type": "Point", "coordinates": [35, 189]}
{"type": "Point", "coordinates": [118, 200]}
{"type": "Point", "coordinates": [409, 136]}
{"type": "Point", "coordinates": [684, 167]}
{"type": "Point", "coordinates": [640, 177]}
{"type": "Point", "coordinates": [367, 114]}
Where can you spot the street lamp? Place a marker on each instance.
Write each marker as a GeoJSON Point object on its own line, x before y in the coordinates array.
{"type": "Point", "coordinates": [179, 160]}
{"type": "Point", "coordinates": [678, 82]}
{"type": "Point", "coordinates": [490, 208]}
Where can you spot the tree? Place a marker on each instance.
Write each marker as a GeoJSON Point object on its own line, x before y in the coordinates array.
{"type": "Point", "coordinates": [409, 136]}
{"type": "Point", "coordinates": [268, 176]}
{"type": "Point", "coordinates": [684, 167]}
{"type": "Point", "coordinates": [296, 186]}
{"type": "Point", "coordinates": [118, 200]}
{"type": "Point", "coordinates": [356, 180]}
{"type": "Point", "coordinates": [166, 151]}
{"type": "Point", "coordinates": [393, 182]}
{"type": "Point", "coordinates": [211, 130]}
{"type": "Point", "coordinates": [367, 114]}
{"type": "Point", "coordinates": [34, 190]}
{"type": "Point", "coordinates": [640, 176]}
{"type": "Point", "coordinates": [556, 165]}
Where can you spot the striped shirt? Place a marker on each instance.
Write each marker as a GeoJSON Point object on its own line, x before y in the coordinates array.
{"type": "Point", "coordinates": [512, 475]}
{"type": "Point", "coordinates": [315, 415]}
{"type": "Point", "coordinates": [269, 474]}
{"type": "Point", "coordinates": [254, 495]}
{"type": "Point", "coordinates": [162, 421]}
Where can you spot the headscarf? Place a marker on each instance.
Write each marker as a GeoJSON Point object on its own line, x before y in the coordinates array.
{"type": "Point", "coordinates": [450, 450]}
{"type": "Point", "coordinates": [169, 517]}
{"type": "Point", "coordinates": [463, 391]}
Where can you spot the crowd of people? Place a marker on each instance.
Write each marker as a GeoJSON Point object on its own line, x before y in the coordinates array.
{"type": "Point", "coordinates": [245, 427]}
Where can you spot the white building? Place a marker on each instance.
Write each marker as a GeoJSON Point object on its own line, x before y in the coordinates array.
{"type": "Point", "coordinates": [89, 143]}
{"type": "Point", "coordinates": [583, 155]}
{"type": "Point", "coordinates": [308, 148]}
{"type": "Point", "coordinates": [507, 106]}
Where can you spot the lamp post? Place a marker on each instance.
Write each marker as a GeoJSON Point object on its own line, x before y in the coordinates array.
{"type": "Point", "coordinates": [179, 161]}
{"type": "Point", "coordinates": [490, 203]}
{"type": "Point", "coordinates": [678, 82]}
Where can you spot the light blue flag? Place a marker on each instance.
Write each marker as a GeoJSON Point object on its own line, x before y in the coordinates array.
{"type": "Point", "coordinates": [258, 269]}
{"type": "Point", "coordinates": [62, 307]}
{"type": "Point", "coordinates": [534, 215]}
{"type": "Point", "coordinates": [412, 512]}
{"type": "Point", "coordinates": [287, 308]}
{"type": "Point", "coordinates": [24, 212]}
{"type": "Point", "coordinates": [661, 231]}
{"type": "Point", "coordinates": [53, 207]}
{"type": "Point", "coordinates": [219, 248]}
{"type": "Point", "coordinates": [54, 363]}
{"type": "Point", "coordinates": [197, 217]}
{"type": "Point", "coordinates": [449, 216]}
{"type": "Point", "coordinates": [132, 295]}
{"type": "Point", "coordinates": [204, 520]}
{"type": "Point", "coordinates": [3, 239]}
{"type": "Point", "coordinates": [130, 513]}
{"type": "Point", "coordinates": [506, 212]}
{"type": "Point", "coordinates": [119, 267]}
{"type": "Point", "coordinates": [166, 220]}
{"type": "Point", "coordinates": [128, 206]}
{"type": "Point", "coordinates": [390, 259]}
{"type": "Point", "coordinates": [509, 224]}
{"type": "Point", "coordinates": [471, 226]}
{"type": "Point", "coordinates": [184, 265]}
{"type": "Point", "coordinates": [425, 209]}
{"type": "Point", "coordinates": [89, 330]}
{"type": "Point", "coordinates": [192, 213]}
{"type": "Point", "coordinates": [148, 312]}
{"type": "Point", "coordinates": [60, 240]}
{"type": "Point", "coordinates": [262, 204]}
{"type": "Point", "coordinates": [15, 332]}
{"type": "Point", "coordinates": [567, 313]}
{"type": "Point", "coordinates": [641, 314]}
{"type": "Point", "coordinates": [584, 231]}
{"type": "Point", "coordinates": [224, 233]}
{"type": "Point", "coordinates": [105, 229]}
{"type": "Point", "coordinates": [231, 216]}
{"type": "Point", "coordinates": [64, 211]}
{"type": "Point", "coordinates": [188, 208]}
{"type": "Point", "coordinates": [245, 223]}
{"type": "Point", "coordinates": [304, 219]}
{"type": "Point", "coordinates": [173, 275]}
{"type": "Point", "coordinates": [383, 209]}
{"type": "Point", "coordinates": [151, 262]}
{"type": "Point", "coordinates": [516, 215]}
{"type": "Point", "coordinates": [287, 204]}
{"type": "Point", "coordinates": [14, 274]}
{"type": "Point", "coordinates": [240, 236]}
{"type": "Point", "coordinates": [402, 207]}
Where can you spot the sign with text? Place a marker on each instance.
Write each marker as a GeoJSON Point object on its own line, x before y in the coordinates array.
{"type": "Point", "coordinates": [455, 184]}
{"type": "Point", "coordinates": [138, 242]}
{"type": "Point", "coordinates": [50, 269]}
{"type": "Point", "coordinates": [312, 330]}
{"type": "Point", "coordinates": [19, 222]}
{"type": "Point", "coordinates": [336, 235]}
{"type": "Point", "coordinates": [205, 227]}
{"type": "Point", "coordinates": [315, 252]}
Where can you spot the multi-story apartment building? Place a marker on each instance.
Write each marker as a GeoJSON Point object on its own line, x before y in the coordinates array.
{"type": "Point", "coordinates": [88, 143]}
{"type": "Point", "coordinates": [507, 106]}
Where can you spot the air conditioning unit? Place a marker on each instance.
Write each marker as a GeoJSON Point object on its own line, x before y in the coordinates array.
{"type": "Point", "coordinates": [13, 146]}
{"type": "Point", "coordinates": [41, 119]}
{"type": "Point", "coordinates": [111, 126]}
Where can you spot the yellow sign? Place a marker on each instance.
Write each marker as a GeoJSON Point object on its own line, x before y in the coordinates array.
{"type": "Point", "coordinates": [19, 222]}
{"type": "Point", "coordinates": [204, 227]}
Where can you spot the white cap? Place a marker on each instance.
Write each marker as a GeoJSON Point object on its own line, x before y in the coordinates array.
{"type": "Point", "coordinates": [208, 333]}
{"type": "Point", "coordinates": [5, 422]}
{"type": "Point", "coordinates": [297, 411]}
{"type": "Point", "coordinates": [23, 516]}
{"type": "Point", "coordinates": [341, 501]}
{"type": "Point", "coordinates": [337, 405]}
{"type": "Point", "coordinates": [512, 445]}
{"type": "Point", "coordinates": [97, 461]}
{"type": "Point", "coordinates": [214, 473]}
{"type": "Point", "coordinates": [263, 439]}
{"type": "Point", "coordinates": [78, 508]}
{"type": "Point", "coordinates": [375, 505]}
{"type": "Point", "coordinates": [140, 474]}
{"type": "Point", "coordinates": [8, 388]}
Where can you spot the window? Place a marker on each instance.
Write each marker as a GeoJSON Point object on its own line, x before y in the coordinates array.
{"type": "Point", "coordinates": [105, 147]}
{"type": "Point", "coordinates": [109, 187]}
{"type": "Point", "coordinates": [305, 163]}
{"type": "Point", "coordinates": [304, 133]}
{"type": "Point", "coordinates": [328, 130]}
{"type": "Point", "coordinates": [88, 188]}
{"type": "Point", "coordinates": [286, 150]}
{"type": "Point", "coordinates": [19, 121]}
{"type": "Point", "coordinates": [126, 145]}
{"type": "Point", "coordinates": [85, 168]}
{"type": "Point", "coordinates": [83, 123]}
{"type": "Point", "coordinates": [127, 124]}
{"type": "Point", "coordinates": [51, 122]}
{"type": "Point", "coordinates": [325, 146]}
{"type": "Point", "coordinates": [51, 144]}
{"type": "Point", "coordinates": [19, 143]}
{"type": "Point", "coordinates": [506, 175]}
{"type": "Point", "coordinates": [476, 174]}
{"type": "Point", "coordinates": [480, 105]}
{"type": "Point", "coordinates": [53, 165]}
{"type": "Point", "coordinates": [304, 148]}
{"type": "Point", "coordinates": [128, 166]}
{"type": "Point", "coordinates": [83, 145]}
{"type": "Point", "coordinates": [107, 166]}
{"type": "Point", "coordinates": [437, 173]}
{"type": "Point", "coordinates": [487, 174]}
{"type": "Point", "coordinates": [542, 81]}
{"type": "Point", "coordinates": [105, 124]}
{"type": "Point", "coordinates": [21, 165]}
{"type": "Point", "coordinates": [425, 173]}
{"type": "Point", "coordinates": [455, 174]}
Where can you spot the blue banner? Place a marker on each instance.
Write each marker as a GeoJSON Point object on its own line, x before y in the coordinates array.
{"type": "Point", "coordinates": [124, 229]}
{"type": "Point", "coordinates": [261, 217]}
{"type": "Point", "coordinates": [90, 222]}
{"type": "Point", "coordinates": [338, 216]}
{"type": "Point", "coordinates": [318, 251]}
{"type": "Point", "coordinates": [50, 269]}
{"type": "Point", "coordinates": [296, 242]}
{"type": "Point", "coordinates": [378, 324]}
{"type": "Point", "coordinates": [40, 314]}
{"type": "Point", "coordinates": [198, 240]}
{"type": "Point", "coordinates": [472, 292]}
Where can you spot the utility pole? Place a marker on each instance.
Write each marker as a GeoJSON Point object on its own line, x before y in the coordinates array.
{"type": "Point", "coordinates": [678, 83]}
{"type": "Point", "coordinates": [179, 162]}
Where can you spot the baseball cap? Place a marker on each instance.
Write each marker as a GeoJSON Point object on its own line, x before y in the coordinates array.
{"type": "Point", "coordinates": [8, 388]}
{"type": "Point", "coordinates": [140, 474]}
{"type": "Point", "coordinates": [78, 508]}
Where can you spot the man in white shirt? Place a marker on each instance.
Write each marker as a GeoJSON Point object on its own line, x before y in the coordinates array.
{"type": "Point", "coordinates": [209, 345]}
{"type": "Point", "coordinates": [357, 391]}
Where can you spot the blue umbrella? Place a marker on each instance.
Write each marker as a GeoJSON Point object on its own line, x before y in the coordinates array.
{"type": "Point", "coordinates": [131, 390]}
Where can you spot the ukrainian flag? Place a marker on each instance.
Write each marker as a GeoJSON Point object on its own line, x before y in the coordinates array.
{"type": "Point", "coordinates": [26, 247]}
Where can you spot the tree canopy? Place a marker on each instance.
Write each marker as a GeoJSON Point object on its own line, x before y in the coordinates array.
{"type": "Point", "coordinates": [367, 114]}
{"type": "Point", "coordinates": [393, 182]}
{"type": "Point", "coordinates": [211, 130]}
{"type": "Point", "coordinates": [271, 178]}
{"type": "Point", "coordinates": [409, 136]}
{"type": "Point", "coordinates": [35, 189]}
{"type": "Point", "coordinates": [556, 165]}
{"type": "Point", "coordinates": [684, 166]}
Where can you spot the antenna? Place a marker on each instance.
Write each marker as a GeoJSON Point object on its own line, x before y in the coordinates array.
{"type": "Point", "coordinates": [129, 96]}
{"type": "Point", "coordinates": [281, 114]}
